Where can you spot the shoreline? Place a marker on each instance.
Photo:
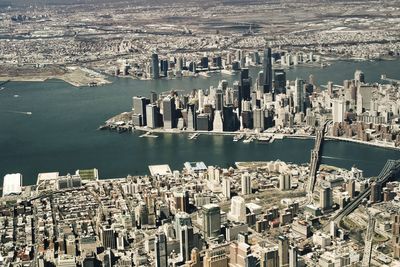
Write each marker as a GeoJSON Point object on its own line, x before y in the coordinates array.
{"type": "Point", "coordinates": [276, 136]}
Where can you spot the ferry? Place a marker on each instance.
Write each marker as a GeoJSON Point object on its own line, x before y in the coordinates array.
{"type": "Point", "coordinates": [248, 140]}
{"type": "Point", "coordinates": [238, 137]}
{"type": "Point", "coordinates": [263, 138]}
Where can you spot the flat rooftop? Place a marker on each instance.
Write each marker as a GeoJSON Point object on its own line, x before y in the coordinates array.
{"type": "Point", "coordinates": [163, 169]}
{"type": "Point", "coordinates": [12, 184]}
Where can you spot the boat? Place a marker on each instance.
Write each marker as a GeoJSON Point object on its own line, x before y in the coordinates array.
{"type": "Point", "coordinates": [238, 137]}
{"type": "Point", "coordinates": [204, 74]}
{"type": "Point", "coordinates": [228, 72]}
{"type": "Point", "coordinates": [248, 140]}
{"type": "Point", "coordinates": [193, 136]}
{"type": "Point", "coordinates": [263, 138]}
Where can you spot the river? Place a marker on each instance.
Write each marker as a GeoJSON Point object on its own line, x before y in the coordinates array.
{"type": "Point", "coordinates": [61, 134]}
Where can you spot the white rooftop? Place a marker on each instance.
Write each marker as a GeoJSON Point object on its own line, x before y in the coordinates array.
{"type": "Point", "coordinates": [12, 184]}
{"type": "Point", "coordinates": [46, 176]}
{"type": "Point", "coordinates": [160, 170]}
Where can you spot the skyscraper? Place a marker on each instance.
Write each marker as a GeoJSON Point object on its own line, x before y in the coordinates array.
{"type": "Point", "coordinates": [246, 184]}
{"type": "Point", "coordinates": [299, 95]}
{"type": "Point", "coordinates": [326, 200]}
{"type": "Point", "coordinates": [155, 68]}
{"type": "Point", "coordinates": [139, 106]}
{"type": "Point", "coordinates": [293, 256]}
{"type": "Point", "coordinates": [238, 209]}
{"type": "Point", "coordinates": [269, 257]}
{"type": "Point", "coordinates": [169, 111]}
{"type": "Point", "coordinates": [152, 116]}
{"type": "Point", "coordinates": [226, 187]}
{"type": "Point", "coordinates": [267, 70]}
{"type": "Point", "coordinates": [283, 250]}
{"type": "Point", "coordinates": [338, 110]}
{"type": "Point", "coordinates": [211, 220]}
{"type": "Point", "coordinates": [161, 250]}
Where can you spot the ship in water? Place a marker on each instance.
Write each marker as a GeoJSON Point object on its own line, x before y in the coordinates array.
{"type": "Point", "coordinates": [238, 137]}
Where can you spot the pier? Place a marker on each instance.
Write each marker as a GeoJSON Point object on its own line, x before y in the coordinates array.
{"type": "Point", "coordinates": [385, 78]}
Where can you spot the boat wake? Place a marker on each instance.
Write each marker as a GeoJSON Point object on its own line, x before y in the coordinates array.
{"type": "Point", "coordinates": [20, 112]}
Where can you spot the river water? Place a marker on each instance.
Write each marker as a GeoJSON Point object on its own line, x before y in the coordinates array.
{"type": "Point", "coordinates": [61, 135]}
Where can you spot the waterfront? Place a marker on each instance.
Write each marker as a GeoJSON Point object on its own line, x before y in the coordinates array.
{"type": "Point", "coordinates": [61, 135]}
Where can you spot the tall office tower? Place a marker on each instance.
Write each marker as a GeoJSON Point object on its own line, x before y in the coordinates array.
{"type": "Point", "coordinates": [219, 100]}
{"type": "Point", "coordinates": [240, 255]}
{"type": "Point", "coordinates": [204, 62]}
{"type": "Point", "coordinates": [299, 95]}
{"type": "Point", "coordinates": [267, 70]}
{"type": "Point", "coordinates": [338, 110]}
{"type": "Point", "coordinates": [70, 245]}
{"type": "Point", "coordinates": [107, 236]}
{"type": "Point", "coordinates": [181, 200]}
{"type": "Point", "coordinates": [330, 88]}
{"type": "Point", "coordinates": [246, 184]}
{"type": "Point", "coordinates": [164, 67]}
{"type": "Point", "coordinates": [153, 97]}
{"type": "Point", "coordinates": [244, 87]}
{"type": "Point", "coordinates": [260, 82]}
{"type": "Point", "coordinates": [293, 257]}
{"type": "Point", "coordinates": [218, 125]}
{"type": "Point", "coordinates": [191, 119]}
{"type": "Point", "coordinates": [169, 112]}
{"type": "Point", "coordinates": [155, 68]}
{"type": "Point", "coordinates": [216, 256]}
{"type": "Point", "coordinates": [203, 122]}
{"type": "Point", "coordinates": [181, 219]}
{"type": "Point", "coordinates": [256, 57]}
{"type": "Point", "coordinates": [376, 192]}
{"type": "Point", "coordinates": [325, 198]}
{"type": "Point", "coordinates": [223, 85]}
{"type": "Point", "coordinates": [351, 188]}
{"type": "Point", "coordinates": [396, 235]}
{"type": "Point", "coordinates": [186, 241]}
{"type": "Point", "coordinates": [179, 65]}
{"type": "Point", "coordinates": [283, 251]}
{"type": "Point", "coordinates": [239, 55]}
{"type": "Point", "coordinates": [269, 257]}
{"type": "Point", "coordinates": [229, 119]}
{"type": "Point", "coordinates": [160, 245]}
{"type": "Point", "coordinates": [238, 209]}
{"type": "Point", "coordinates": [200, 97]}
{"type": "Point", "coordinates": [359, 77]}
{"type": "Point", "coordinates": [152, 116]}
{"type": "Point", "coordinates": [284, 182]}
{"type": "Point", "coordinates": [211, 220]}
{"type": "Point", "coordinates": [139, 107]}
{"type": "Point", "coordinates": [279, 81]}
{"type": "Point", "coordinates": [259, 119]}
{"type": "Point", "coordinates": [226, 187]}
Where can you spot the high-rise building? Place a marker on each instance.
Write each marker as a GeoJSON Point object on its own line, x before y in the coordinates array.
{"type": "Point", "coordinates": [246, 184]}
{"type": "Point", "coordinates": [376, 192]}
{"type": "Point", "coordinates": [244, 87]}
{"type": "Point", "coordinates": [283, 250]}
{"type": "Point", "coordinates": [269, 257]}
{"type": "Point", "coordinates": [218, 125]}
{"type": "Point", "coordinates": [284, 182]}
{"type": "Point", "coordinates": [351, 188]}
{"type": "Point", "coordinates": [191, 118]}
{"type": "Point", "coordinates": [219, 100]}
{"type": "Point", "coordinates": [169, 113]}
{"type": "Point", "coordinates": [181, 200]}
{"type": "Point", "coordinates": [359, 76]}
{"type": "Point", "coordinates": [279, 81]}
{"type": "Point", "coordinates": [299, 95]}
{"type": "Point", "coordinates": [267, 70]}
{"type": "Point", "coordinates": [238, 209]}
{"type": "Point", "coordinates": [155, 68]}
{"type": "Point", "coordinates": [338, 110]}
{"type": "Point", "coordinates": [226, 187]}
{"type": "Point", "coordinates": [216, 256]}
{"type": "Point", "coordinates": [152, 116]}
{"type": "Point", "coordinates": [326, 198]}
{"type": "Point", "coordinates": [203, 122]}
{"type": "Point", "coordinates": [107, 236]}
{"type": "Point", "coordinates": [70, 245]}
{"type": "Point", "coordinates": [211, 220]}
{"type": "Point", "coordinates": [161, 256]}
{"type": "Point", "coordinates": [259, 119]}
{"type": "Point", "coordinates": [293, 258]}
